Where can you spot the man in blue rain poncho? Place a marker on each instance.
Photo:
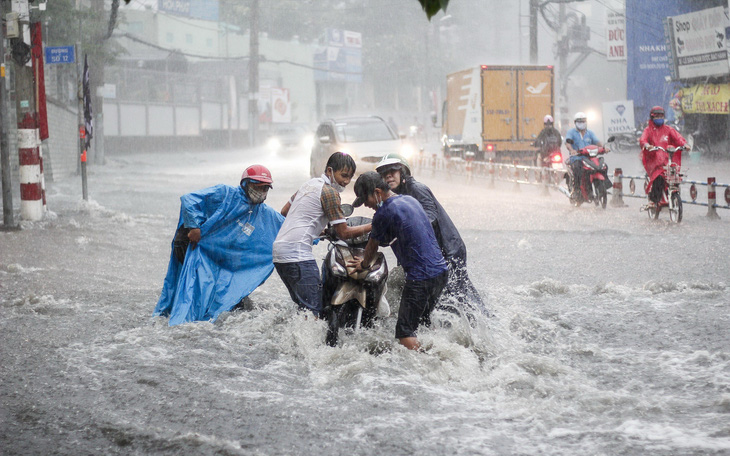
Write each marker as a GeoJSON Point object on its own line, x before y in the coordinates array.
{"type": "Point", "coordinates": [222, 249]}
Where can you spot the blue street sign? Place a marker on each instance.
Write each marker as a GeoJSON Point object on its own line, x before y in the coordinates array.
{"type": "Point", "coordinates": [60, 54]}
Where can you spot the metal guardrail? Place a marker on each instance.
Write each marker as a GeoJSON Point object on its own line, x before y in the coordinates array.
{"type": "Point", "coordinates": [711, 191]}
{"type": "Point", "coordinates": [551, 178]}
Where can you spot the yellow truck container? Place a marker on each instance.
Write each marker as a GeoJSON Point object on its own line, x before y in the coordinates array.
{"type": "Point", "coordinates": [496, 111]}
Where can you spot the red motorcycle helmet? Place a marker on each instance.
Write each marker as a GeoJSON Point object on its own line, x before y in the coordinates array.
{"type": "Point", "coordinates": [259, 173]}
{"type": "Point", "coordinates": [656, 111]}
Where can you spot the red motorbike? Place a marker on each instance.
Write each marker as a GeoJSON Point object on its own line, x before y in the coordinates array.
{"type": "Point", "coordinates": [594, 183]}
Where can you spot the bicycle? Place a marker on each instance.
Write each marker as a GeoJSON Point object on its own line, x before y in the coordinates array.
{"type": "Point", "coordinates": [671, 178]}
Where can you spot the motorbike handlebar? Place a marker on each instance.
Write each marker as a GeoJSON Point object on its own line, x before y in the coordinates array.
{"type": "Point", "coordinates": [653, 148]}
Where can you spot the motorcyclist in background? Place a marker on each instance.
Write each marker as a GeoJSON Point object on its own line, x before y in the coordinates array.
{"type": "Point", "coordinates": [549, 138]}
{"type": "Point", "coordinates": [657, 133]}
{"type": "Point", "coordinates": [579, 137]}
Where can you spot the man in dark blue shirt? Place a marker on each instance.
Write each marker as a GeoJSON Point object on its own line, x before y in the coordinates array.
{"type": "Point", "coordinates": [396, 172]}
{"type": "Point", "coordinates": [401, 223]}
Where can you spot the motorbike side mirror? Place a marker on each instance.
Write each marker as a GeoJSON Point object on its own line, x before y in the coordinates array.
{"type": "Point", "coordinates": [569, 141]}
{"type": "Point", "coordinates": [611, 139]}
{"type": "Point", "coordinates": [347, 209]}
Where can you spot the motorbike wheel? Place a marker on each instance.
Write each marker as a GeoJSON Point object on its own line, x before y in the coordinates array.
{"type": "Point", "coordinates": [333, 326]}
{"type": "Point", "coordinates": [653, 212]}
{"type": "Point", "coordinates": [340, 316]}
{"type": "Point", "coordinates": [601, 195]}
{"type": "Point", "coordinates": [675, 215]}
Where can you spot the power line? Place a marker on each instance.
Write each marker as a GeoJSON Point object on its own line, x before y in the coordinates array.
{"type": "Point", "coordinates": [262, 58]}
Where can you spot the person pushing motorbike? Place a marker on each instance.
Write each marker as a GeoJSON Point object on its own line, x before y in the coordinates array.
{"type": "Point", "coordinates": [576, 139]}
{"type": "Point", "coordinates": [401, 223]}
{"type": "Point", "coordinates": [658, 134]}
{"type": "Point", "coordinates": [396, 172]}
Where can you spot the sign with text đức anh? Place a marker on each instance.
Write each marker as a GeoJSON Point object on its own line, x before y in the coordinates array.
{"type": "Point", "coordinates": [60, 54]}
{"type": "Point", "coordinates": [618, 118]}
{"type": "Point", "coordinates": [615, 36]}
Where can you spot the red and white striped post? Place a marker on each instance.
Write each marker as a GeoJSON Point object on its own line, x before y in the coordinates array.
{"type": "Point", "coordinates": [617, 198]}
{"type": "Point", "coordinates": [32, 197]}
{"type": "Point", "coordinates": [711, 209]}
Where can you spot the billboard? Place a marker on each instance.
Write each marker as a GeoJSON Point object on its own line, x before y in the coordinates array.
{"type": "Point", "coordinates": [340, 59]}
{"type": "Point", "coordinates": [196, 9]}
{"type": "Point", "coordinates": [648, 70]}
{"type": "Point", "coordinates": [697, 42]}
{"type": "Point", "coordinates": [615, 36]}
{"type": "Point", "coordinates": [704, 99]}
{"type": "Point", "coordinates": [618, 118]}
{"type": "Point", "coordinates": [280, 106]}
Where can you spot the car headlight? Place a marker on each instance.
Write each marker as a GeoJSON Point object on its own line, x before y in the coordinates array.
{"type": "Point", "coordinates": [347, 151]}
{"type": "Point", "coordinates": [407, 151]}
{"type": "Point", "coordinates": [273, 144]}
{"type": "Point", "coordinates": [308, 142]}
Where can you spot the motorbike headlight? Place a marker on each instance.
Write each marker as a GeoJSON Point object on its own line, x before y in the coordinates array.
{"type": "Point", "coordinates": [337, 265]}
{"type": "Point", "coordinates": [376, 275]}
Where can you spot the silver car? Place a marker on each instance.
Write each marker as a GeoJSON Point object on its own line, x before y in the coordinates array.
{"type": "Point", "coordinates": [365, 139]}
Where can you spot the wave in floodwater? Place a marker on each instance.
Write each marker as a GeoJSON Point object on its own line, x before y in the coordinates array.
{"type": "Point", "coordinates": [558, 369]}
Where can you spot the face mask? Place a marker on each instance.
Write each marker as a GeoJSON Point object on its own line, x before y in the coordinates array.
{"type": "Point", "coordinates": [658, 122]}
{"type": "Point", "coordinates": [581, 125]}
{"type": "Point", "coordinates": [256, 195]}
{"type": "Point", "coordinates": [379, 204]}
{"type": "Point", "coordinates": [333, 183]}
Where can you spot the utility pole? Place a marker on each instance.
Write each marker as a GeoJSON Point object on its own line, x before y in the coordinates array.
{"type": "Point", "coordinates": [533, 31]}
{"type": "Point", "coordinates": [563, 49]}
{"type": "Point", "coordinates": [253, 75]}
{"type": "Point", "coordinates": [32, 204]}
{"type": "Point", "coordinates": [97, 64]}
{"type": "Point", "coordinates": [8, 221]}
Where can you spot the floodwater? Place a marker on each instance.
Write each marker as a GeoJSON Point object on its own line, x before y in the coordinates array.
{"type": "Point", "coordinates": [609, 335]}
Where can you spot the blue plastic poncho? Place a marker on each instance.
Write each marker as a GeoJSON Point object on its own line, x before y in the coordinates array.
{"type": "Point", "coordinates": [231, 260]}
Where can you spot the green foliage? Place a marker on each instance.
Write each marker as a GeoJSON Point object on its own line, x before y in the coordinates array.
{"type": "Point", "coordinates": [432, 7]}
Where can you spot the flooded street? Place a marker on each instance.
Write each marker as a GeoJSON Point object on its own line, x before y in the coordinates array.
{"type": "Point", "coordinates": [609, 335]}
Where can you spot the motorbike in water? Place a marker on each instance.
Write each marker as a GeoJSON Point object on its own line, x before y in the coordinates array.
{"type": "Point", "coordinates": [670, 179]}
{"type": "Point", "coordinates": [352, 299]}
{"type": "Point", "coordinates": [594, 183]}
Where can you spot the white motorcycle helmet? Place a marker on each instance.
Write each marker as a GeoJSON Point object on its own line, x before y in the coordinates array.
{"type": "Point", "coordinates": [580, 116]}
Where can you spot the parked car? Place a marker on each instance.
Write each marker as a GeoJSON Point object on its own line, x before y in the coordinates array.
{"type": "Point", "coordinates": [366, 139]}
{"type": "Point", "coordinates": [291, 137]}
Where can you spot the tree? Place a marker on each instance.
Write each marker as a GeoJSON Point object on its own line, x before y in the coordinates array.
{"type": "Point", "coordinates": [432, 7]}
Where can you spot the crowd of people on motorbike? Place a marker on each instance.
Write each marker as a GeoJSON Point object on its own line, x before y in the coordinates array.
{"type": "Point", "coordinates": [228, 242]}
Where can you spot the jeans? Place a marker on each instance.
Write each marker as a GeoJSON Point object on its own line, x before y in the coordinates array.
{"type": "Point", "coordinates": [417, 300]}
{"type": "Point", "coordinates": [303, 282]}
